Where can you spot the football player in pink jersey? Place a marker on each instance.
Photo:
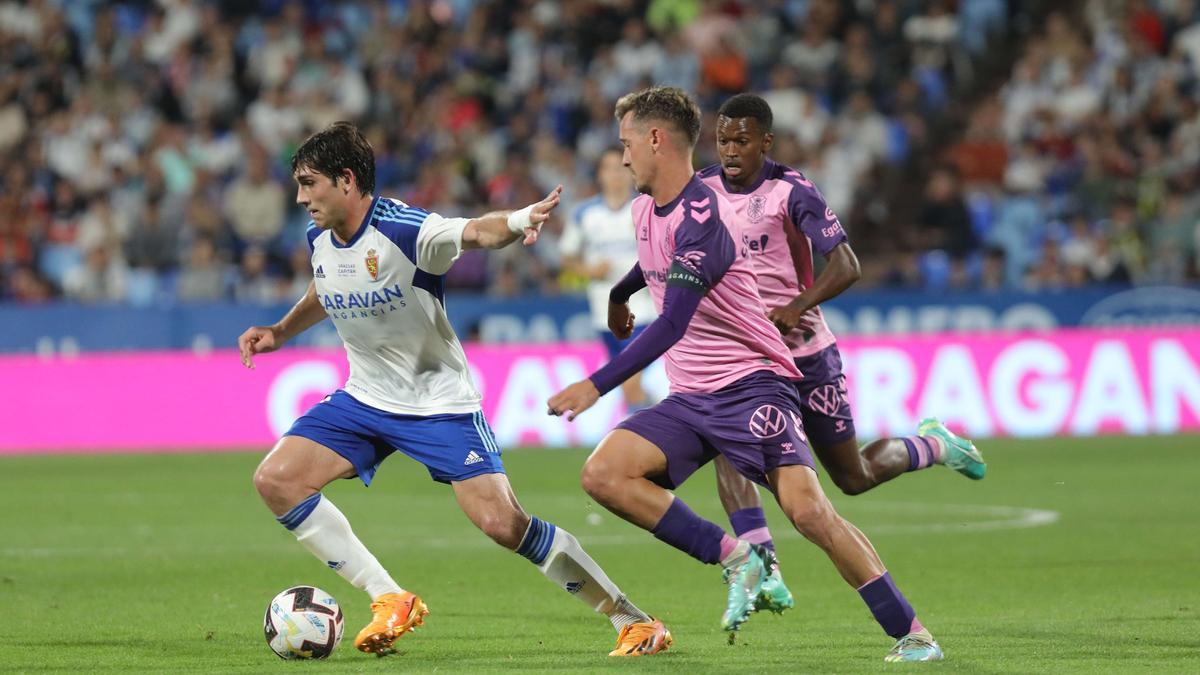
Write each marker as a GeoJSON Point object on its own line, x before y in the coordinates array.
{"type": "Point", "coordinates": [732, 383]}
{"type": "Point", "coordinates": [784, 220]}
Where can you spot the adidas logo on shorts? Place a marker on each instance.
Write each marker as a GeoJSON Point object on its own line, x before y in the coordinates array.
{"type": "Point", "coordinates": [472, 458]}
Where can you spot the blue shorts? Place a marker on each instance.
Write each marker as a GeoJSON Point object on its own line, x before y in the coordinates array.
{"type": "Point", "coordinates": [452, 447]}
{"type": "Point", "coordinates": [614, 345]}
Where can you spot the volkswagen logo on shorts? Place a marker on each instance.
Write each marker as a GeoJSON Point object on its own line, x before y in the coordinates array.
{"type": "Point", "coordinates": [767, 422]}
{"type": "Point", "coordinates": [826, 400]}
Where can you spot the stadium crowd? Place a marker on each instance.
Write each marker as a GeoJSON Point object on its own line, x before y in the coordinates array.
{"type": "Point", "coordinates": [144, 146]}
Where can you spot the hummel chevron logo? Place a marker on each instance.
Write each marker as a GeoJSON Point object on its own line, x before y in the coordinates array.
{"type": "Point", "coordinates": [472, 458]}
{"type": "Point", "coordinates": [700, 204]}
{"type": "Point", "coordinates": [701, 216]}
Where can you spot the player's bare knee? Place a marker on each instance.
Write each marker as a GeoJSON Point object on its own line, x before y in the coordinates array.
{"type": "Point", "coordinates": [811, 517]}
{"type": "Point", "coordinates": [269, 481]}
{"type": "Point", "coordinates": [853, 483]}
{"type": "Point", "coordinates": [506, 529]}
{"type": "Point", "coordinates": [599, 480]}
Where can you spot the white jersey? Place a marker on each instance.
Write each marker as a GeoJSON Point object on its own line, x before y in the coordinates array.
{"type": "Point", "coordinates": [383, 291]}
{"type": "Point", "coordinates": [596, 233]}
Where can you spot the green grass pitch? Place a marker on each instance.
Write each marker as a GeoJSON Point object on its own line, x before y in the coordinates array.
{"type": "Point", "coordinates": [1072, 556]}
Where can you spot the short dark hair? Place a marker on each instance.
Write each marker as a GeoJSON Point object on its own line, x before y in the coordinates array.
{"type": "Point", "coordinates": [669, 104]}
{"type": "Point", "coordinates": [335, 148]}
{"type": "Point", "coordinates": [749, 105]}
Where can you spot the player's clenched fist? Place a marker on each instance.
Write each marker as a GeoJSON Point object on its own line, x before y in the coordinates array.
{"type": "Point", "coordinates": [620, 320]}
{"type": "Point", "coordinates": [574, 399]}
{"type": "Point", "coordinates": [257, 340]}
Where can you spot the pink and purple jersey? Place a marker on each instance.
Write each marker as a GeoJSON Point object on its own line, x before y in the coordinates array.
{"type": "Point", "coordinates": [691, 242]}
{"type": "Point", "coordinates": [783, 218]}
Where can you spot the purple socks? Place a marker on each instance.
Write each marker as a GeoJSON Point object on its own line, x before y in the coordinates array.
{"type": "Point", "coordinates": [751, 524]}
{"type": "Point", "coordinates": [888, 605]}
{"type": "Point", "coordinates": [922, 452]}
{"type": "Point", "coordinates": [682, 528]}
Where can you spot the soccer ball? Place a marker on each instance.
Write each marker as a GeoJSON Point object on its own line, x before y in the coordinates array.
{"type": "Point", "coordinates": [303, 622]}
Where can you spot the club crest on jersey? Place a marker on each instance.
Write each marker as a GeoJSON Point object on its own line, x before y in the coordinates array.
{"type": "Point", "coordinates": [757, 208]}
{"type": "Point", "coordinates": [372, 264]}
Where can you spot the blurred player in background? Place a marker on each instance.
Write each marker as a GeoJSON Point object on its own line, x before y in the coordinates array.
{"type": "Point", "coordinates": [377, 268]}
{"type": "Point", "coordinates": [783, 219]}
{"type": "Point", "coordinates": [598, 245]}
{"type": "Point", "coordinates": [731, 379]}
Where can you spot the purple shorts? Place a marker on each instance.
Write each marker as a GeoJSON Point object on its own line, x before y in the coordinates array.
{"type": "Point", "coordinates": [754, 422]}
{"type": "Point", "coordinates": [824, 405]}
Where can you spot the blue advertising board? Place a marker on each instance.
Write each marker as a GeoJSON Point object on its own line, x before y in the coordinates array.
{"type": "Point", "coordinates": [66, 327]}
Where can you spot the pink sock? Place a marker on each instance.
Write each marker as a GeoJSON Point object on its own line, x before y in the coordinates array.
{"type": "Point", "coordinates": [728, 543]}
{"type": "Point", "coordinates": [935, 444]}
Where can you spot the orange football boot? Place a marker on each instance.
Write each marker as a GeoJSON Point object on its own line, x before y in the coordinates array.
{"type": "Point", "coordinates": [395, 615]}
{"type": "Point", "coordinates": [642, 639]}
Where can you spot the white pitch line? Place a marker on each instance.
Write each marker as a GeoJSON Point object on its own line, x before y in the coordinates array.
{"type": "Point", "coordinates": [1004, 518]}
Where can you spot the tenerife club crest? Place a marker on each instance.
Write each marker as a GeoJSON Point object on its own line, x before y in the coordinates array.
{"type": "Point", "coordinates": [372, 264]}
{"type": "Point", "coordinates": [756, 208]}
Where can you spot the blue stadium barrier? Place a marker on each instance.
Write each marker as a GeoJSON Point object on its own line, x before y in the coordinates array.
{"type": "Point", "coordinates": [66, 327]}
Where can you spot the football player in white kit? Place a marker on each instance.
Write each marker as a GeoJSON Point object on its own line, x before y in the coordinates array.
{"type": "Point", "coordinates": [598, 243]}
{"type": "Point", "coordinates": [377, 268]}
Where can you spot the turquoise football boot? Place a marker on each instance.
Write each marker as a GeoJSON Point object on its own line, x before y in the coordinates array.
{"type": "Point", "coordinates": [745, 580]}
{"type": "Point", "coordinates": [959, 454]}
{"type": "Point", "coordinates": [774, 595]}
{"type": "Point", "coordinates": [919, 646]}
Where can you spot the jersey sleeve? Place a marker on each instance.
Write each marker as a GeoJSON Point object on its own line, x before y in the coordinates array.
{"type": "Point", "coordinates": [704, 249]}
{"type": "Point", "coordinates": [439, 243]}
{"type": "Point", "coordinates": [311, 235]}
{"type": "Point", "coordinates": [812, 216]}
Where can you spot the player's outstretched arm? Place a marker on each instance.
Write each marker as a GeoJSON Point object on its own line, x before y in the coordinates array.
{"type": "Point", "coordinates": [841, 272]}
{"type": "Point", "coordinates": [261, 339]}
{"type": "Point", "coordinates": [501, 228]}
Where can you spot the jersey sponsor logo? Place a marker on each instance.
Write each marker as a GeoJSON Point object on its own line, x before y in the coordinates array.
{"type": "Point", "coordinates": [372, 264]}
{"type": "Point", "coordinates": [645, 234]}
{"type": "Point", "coordinates": [756, 246]}
{"type": "Point", "coordinates": [347, 269]}
{"type": "Point", "coordinates": [371, 303]}
{"type": "Point", "coordinates": [691, 260]}
{"type": "Point", "coordinates": [756, 208]}
{"type": "Point", "coordinates": [320, 272]}
{"type": "Point", "coordinates": [834, 229]}
{"type": "Point", "coordinates": [767, 422]}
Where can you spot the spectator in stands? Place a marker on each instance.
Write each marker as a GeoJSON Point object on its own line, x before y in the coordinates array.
{"type": "Point", "coordinates": [255, 202]}
{"type": "Point", "coordinates": [944, 221]}
{"type": "Point", "coordinates": [154, 105]}
{"type": "Point", "coordinates": [203, 277]}
{"type": "Point", "coordinates": [102, 277]}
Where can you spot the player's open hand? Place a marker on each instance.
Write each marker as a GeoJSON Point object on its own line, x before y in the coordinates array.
{"type": "Point", "coordinates": [574, 400]}
{"type": "Point", "coordinates": [540, 213]}
{"type": "Point", "coordinates": [620, 320]}
{"type": "Point", "coordinates": [257, 340]}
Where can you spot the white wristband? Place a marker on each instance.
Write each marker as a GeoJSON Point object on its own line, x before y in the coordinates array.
{"type": "Point", "coordinates": [518, 221]}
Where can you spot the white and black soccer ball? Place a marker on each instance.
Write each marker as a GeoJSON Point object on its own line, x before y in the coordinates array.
{"type": "Point", "coordinates": [303, 622]}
